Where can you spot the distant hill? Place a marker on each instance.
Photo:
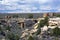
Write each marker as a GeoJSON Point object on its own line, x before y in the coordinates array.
{"type": "Point", "coordinates": [25, 15]}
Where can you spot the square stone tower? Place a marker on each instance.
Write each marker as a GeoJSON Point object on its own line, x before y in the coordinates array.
{"type": "Point", "coordinates": [48, 14]}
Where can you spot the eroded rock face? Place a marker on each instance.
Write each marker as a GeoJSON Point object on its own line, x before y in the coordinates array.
{"type": "Point", "coordinates": [29, 23]}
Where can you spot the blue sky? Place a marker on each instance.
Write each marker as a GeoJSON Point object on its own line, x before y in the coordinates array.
{"type": "Point", "coordinates": [29, 6]}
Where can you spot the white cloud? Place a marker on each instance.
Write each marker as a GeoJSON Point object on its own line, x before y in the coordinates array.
{"type": "Point", "coordinates": [43, 1]}
{"type": "Point", "coordinates": [28, 5]}
{"type": "Point", "coordinates": [2, 9]}
{"type": "Point", "coordinates": [8, 2]}
{"type": "Point", "coordinates": [45, 7]}
{"type": "Point", "coordinates": [58, 9]}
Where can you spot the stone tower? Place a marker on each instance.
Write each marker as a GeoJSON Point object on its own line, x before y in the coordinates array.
{"type": "Point", "coordinates": [45, 14]}
{"type": "Point", "coordinates": [48, 14]}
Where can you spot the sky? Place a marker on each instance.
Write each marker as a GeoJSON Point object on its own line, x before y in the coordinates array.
{"type": "Point", "coordinates": [29, 6]}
